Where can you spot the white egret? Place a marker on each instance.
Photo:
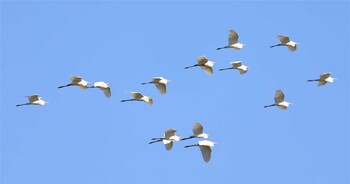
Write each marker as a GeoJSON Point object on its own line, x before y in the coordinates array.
{"type": "Point", "coordinates": [324, 79]}
{"type": "Point", "coordinates": [104, 87]}
{"type": "Point", "coordinates": [77, 81]}
{"type": "Point", "coordinates": [279, 101]}
{"type": "Point", "coordinates": [238, 66]}
{"type": "Point", "coordinates": [205, 147]}
{"type": "Point", "coordinates": [204, 64]}
{"type": "Point", "coordinates": [33, 100]}
{"type": "Point", "coordinates": [139, 97]}
{"type": "Point", "coordinates": [168, 139]}
{"type": "Point", "coordinates": [160, 83]}
{"type": "Point", "coordinates": [197, 132]}
{"type": "Point", "coordinates": [233, 41]}
{"type": "Point", "coordinates": [285, 41]}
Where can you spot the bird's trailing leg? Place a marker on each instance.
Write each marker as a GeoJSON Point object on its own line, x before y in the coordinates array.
{"type": "Point", "coordinates": [64, 86]}
{"type": "Point", "coordinates": [22, 104]}
{"type": "Point", "coordinates": [191, 145]}
{"type": "Point", "coordinates": [190, 137]}
{"type": "Point", "coordinates": [313, 80]}
{"type": "Point", "coordinates": [226, 69]}
{"type": "Point", "coordinates": [155, 141]}
{"type": "Point", "coordinates": [128, 100]}
{"type": "Point", "coordinates": [191, 66]}
{"type": "Point", "coordinates": [269, 105]}
{"type": "Point", "coordinates": [276, 45]}
{"type": "Point", "coordinates": [147, 83]}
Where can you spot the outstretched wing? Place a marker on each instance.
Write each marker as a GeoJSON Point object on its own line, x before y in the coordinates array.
{"type": "Point", "coordinates": [202, 60]}
{"type": "Point", "coordinates": [232, 37]}
{"type": "Point", "coordinates": [75, 79]}
{"type": "Point", "coordinates": [136, 95]}
{"type": "Point", "coordinates": [206, 153]}
{"type": "Point", "coordinates": [197, 129]}
{"type": "Point", "coordinates": [324, 76]}
{"type": "Point", "coordinates": [236, 64]}
{"type": "Point", "coordinates": [291, 48]}
{"type": "Point", "coordinates": [207, 69]}
{"type": "Point", "coordinates": [169, 132]}
{"type": "Point", "coordinates": [161, 87]}
{"type": "Point", "coordinates": [279, 96]}
{"type": "Point", "coordinates": [33, 98]}
{"type": "Point", "coordinates": [107, 91]}
{"type": "Point", "coordinates": [283, 39]}
{"type": "Point", "coordinates": [168, 146]}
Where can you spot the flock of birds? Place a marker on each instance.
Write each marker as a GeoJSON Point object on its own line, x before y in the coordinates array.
{"type": "Point", "coordinates": [206, 65]}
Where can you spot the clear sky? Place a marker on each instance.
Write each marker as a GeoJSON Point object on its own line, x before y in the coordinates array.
{"type": "Point", "coordinates": [83, 137]}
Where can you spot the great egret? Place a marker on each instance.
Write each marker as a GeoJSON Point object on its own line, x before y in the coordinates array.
{"type": "Point", "coordinates": [168, 139]}
{"type": "Point", "coordinates": [205, 147]}
{"type": "Point", "coordinates": [104, 87]}
{"type": "Point", "coordinates": [139, 97]}
{"type": "Point", "coordinates": [197, 132]}
{"type": "Point", "coordinates": [279, 101]}
{"type": "Point", "coordinates": [324, 78]}
{"type": "Point", "coordinates": [285, 41]}
{"type": "Point", "coordinates": [33, 100]}
{"type": "Point", "coordinates": [238, 66]}
{"type": "Point", "coordinates": [204, 64]}
{"type": "Point", "coordinates": [233, 41]}
{"type": "Point", "coordinates": [160, 83]}
{"type": "Point", "coordinates": [77, 81]}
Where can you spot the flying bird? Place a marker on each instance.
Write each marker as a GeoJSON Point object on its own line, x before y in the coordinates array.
{"type": "Point", "coordinates": [168, 139]}
{"type": "Point", "coordinates": [77, 81]}
{"type": "Point", "coordinates": [204, 64]}
{"type": "Point", "coordinates": [139, 97]}
{"type": "Point", "coordinates": [160, 83]}
{"type": "Point", "coordinates": [197, 132]}
{"type": "Point", "coordinates": [233, 41]}
{"type": "Point", "coordinates": [279, 101]}
{"type": "Point", "coordinates": [324, 79]}
{"type": "Point", "coordinates": [104, 87]}
{"type": "Point", "coordinates": [285, 41]}
{"type": "Point", "coordinates": [238, 66]}
{"type": "Point", "coordinates": [205, 147]}
{"type": "Point", "coordinates": [33, 100]}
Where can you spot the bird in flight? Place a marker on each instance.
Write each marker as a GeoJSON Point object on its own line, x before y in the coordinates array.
{"type": "Point", "coordinates": [197, 132]}
{"type": "Point", "coordinates": [324, 79]}
{"type": "Point", "coordinates": [238, 65]}
{"type": "Point", "coordinates": [205, 147]}
{"type": "Point", "coordinates": [33, 100]}
{"type": "Point", "coordinates": [279, 101]}
{"type": "Point", "coordinates": [139, 97]}
{"type": "Point", "coordinates": [104, 87]}
{"type": "Point", "coordinates": [77, 81]}
{"type": "Point", "coordinates": [285, 41]}
{"type": "Point", "coordinates": [160, 84]}
{"type": "Point", "coordinates": [233, 41]}
{"type": "Point", "coordinates": [204, 64]}
{"type": "Point", "coordinates": [168, 139]}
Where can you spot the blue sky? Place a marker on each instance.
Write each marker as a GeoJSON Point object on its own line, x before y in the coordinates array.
{"type": "Point", "coordinates": [83, 137]}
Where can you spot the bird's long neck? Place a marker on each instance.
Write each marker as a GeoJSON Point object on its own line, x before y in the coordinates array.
{"type": "Point", "coordinates": [269, 105]}
{"type": "Point", "coordinates": [191, 145]}
{"type": "Point", "coordinates": [191, 66]}
{"type": "Point", "coordinates": [313, 80]}
{"type": "Point", "coordinates": [226, 69]}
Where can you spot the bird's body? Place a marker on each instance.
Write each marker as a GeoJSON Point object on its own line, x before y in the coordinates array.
{"type": "Point", "coordinates": [279, 101]}
{"type": "Point", "coordinates": [285, 41]}
{"type": "Point", "coordinates": [204, 64]}
{"type": "Point", "coordinates": [77, 81]}
{"type": "Point", "coordinates": [139, 97]}
{"type": "Point", "coordinates": [324, 79]}
{"type": "Point", "coordinates": [205, 147]}
{"type": "Point", "coordinates": [197, 132]}
{"type": "Point", "coordinates": [160, 84]}
{"type": "Point", "coordinates": [33, 100]}
{"type": "Point", "coordinates": [104, 87]}
{"type": "Point", "coordinates": [238, 65]}
{"type": "Point", "coordinates": [233, 41]}
{"type": "Point", "coordinates": [168, 139]}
